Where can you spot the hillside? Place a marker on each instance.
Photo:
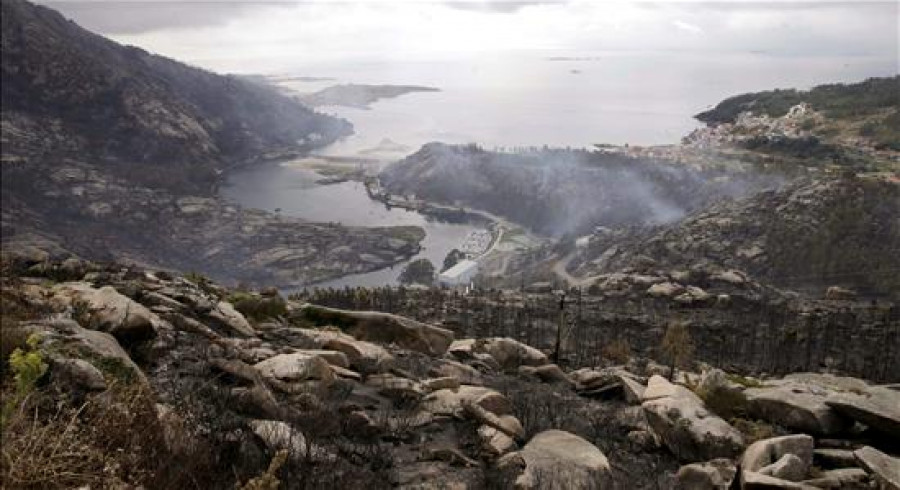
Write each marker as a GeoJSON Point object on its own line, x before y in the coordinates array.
{"type": "Point", "coordinates": [120, 377]}
{"type": "Point", "coordinates": [557, 192]}
{"type": "Point", "coordinates": [809, 235]}
{"type": "Point", "coordinates": [864, 113]}
{"type": "Point", "coordinates": [110, 152]}
{"type": "Point", "coordinates": [68, 92]}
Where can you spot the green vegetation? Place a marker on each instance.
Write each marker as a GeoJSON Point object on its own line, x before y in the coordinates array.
{"type": "Point", "coordinates": [258, 308]}
{"type": "Point", "coordinates": [453, 257]}
{"type": "Point", "coordinates": [743, 380]}
{"type": "Point", "coordinates": [28, 367]}
{"type": "Point", "coordinates": [837, 101]}
{"type": "Point", "coordinates": [419, 271]}
{"type": "Point", "coordinates": [753, 430]}
{"type": "Point", "coordinates": [885, 134]}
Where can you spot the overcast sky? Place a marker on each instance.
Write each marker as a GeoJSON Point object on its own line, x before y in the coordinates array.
{"type": "Point", "coordinates": [223, 35]}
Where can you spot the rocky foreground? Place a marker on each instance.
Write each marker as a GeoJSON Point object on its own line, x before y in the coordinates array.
{"type": "Point", "coordinates": [164, 381]}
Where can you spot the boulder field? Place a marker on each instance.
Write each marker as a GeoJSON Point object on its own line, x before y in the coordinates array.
{"type": "Point", "coordinates": [351, 396]}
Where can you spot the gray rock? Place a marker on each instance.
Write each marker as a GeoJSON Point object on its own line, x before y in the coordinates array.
{"type": "Point", "coordinates": [451, 402]}
{"type": "Point", "coordinates": [225, 314]}
{"type": "Point", "coordinates": [466, 375]}
{"type": "Point", "coordinates": [278, 435]}
{"type": "Point", "coordinates": [396, 387]}
{"type": "Point", "coordinates": [632, 389]}
{"type": "Point", "coordinates": [834, 458]}
{"type": "Point", "coordinates": [795, 405]}
{"type": "Point", "coordinates": [92, 343]}
{"type": "Point", "coordinates": [297, 366]}
{"type": "Point", "coordinates": [494, 441]}
{"type": "Point", "coordinates": [844, 478]}
{"type": "Point", "coordinates": [643, 439]}
{"type": "Point", "coordinates": [765, 463]}
{"type": "Point", "coordinates": [886, 469]}
{"type": "Point", "coordinates": [444, 383]}
{"type": "Point", "coordinates": [363, 356]}
{"type": "Point", "coordinates": [383, 327]}
{"type": "Point", "coordinates": [878, 408]}
{"type": "Point", "coordinates": [710, 475]}
{"type": "Point", "coordinates": [78, 373]}
{"type": "Point", "coordinates": [110, 311]}
{"type": "Point", "coordinates": [549, 373]}
{"type": "Point", "coordinates": [757, 481]}
{"type": "Point", "coordinates": [507, 424]}
{"type": "Point", "coordinates": [558, 459]}
{"type": "Point", "coordinates": [682, 422]}
{"type": "Point", "coordinates": [508, 353]}
{"type": "Point", "coordinates": [789, 467]}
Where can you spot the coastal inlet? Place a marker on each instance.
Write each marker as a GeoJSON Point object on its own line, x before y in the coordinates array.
{"type": "Point", "coordinates": [317, 189]}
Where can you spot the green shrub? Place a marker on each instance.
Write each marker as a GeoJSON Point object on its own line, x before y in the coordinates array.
{"type": "Point", "coordinates": [258, 308]}
{"type": "Point", "coordinates": [28, 367]}
{"type": "Point", "coordinates": [753, 430]}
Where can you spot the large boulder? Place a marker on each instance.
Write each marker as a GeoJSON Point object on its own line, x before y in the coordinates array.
{"type": "Point", "coordinates": [877, 407]}
{"type": "Point", "coordinates": [608, 382]}
{"type": "Point", "coordinates": [382, 327]}
{"type": "Point", "coordinates": [453, 402]}
{"type": "Point", "coordinates": [466, 374]}
{"type": "Point", "coordinates": [558, 459]}
{"type": "Point", "coordinates": [710, 475]}
{"type": "Point", "coordinates": [101, 348]}
{"type": "Point", "coordinates": [108, 310]}
{"type": "Point", "coordinates": [843, 478]}
{"type": "Point", "coordinates": [226, 316]}
{"type": "Point", "coordinates": [507, 353]}
{"type": "Point", "coordinates": [364, 356]}
{"type": "Point", "coordinates": [548, 373]}
{"type": "Point", "coordinates": [884, 468]}
{"type": "Point", "coordinates": [777, 462]}
{"type": "Point", "coordinates": [685, 426]}
{"type": "Point", "coordinates": [665, 290]}
{"type": "Point", "coordinates": [78, 373]}
{"type": "Point", "coordinates": [297, 366]}
{"type": "Point", "coordinates": [277, 435]}
{"type": "Point", "coordinates": [796, 403]}
{"type": "Point", "coordinates": [511, 354]}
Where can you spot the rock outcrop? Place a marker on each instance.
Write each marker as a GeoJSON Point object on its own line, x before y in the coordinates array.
{"type": "Point", "coordinates": [558, 459]}
{"type": "Point", "coordinates": [686, 427]}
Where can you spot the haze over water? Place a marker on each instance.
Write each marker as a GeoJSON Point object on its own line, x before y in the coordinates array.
{"type": "Point", "coordinates": [636, 71]}
{"type": "Point", "coordinates": [562, 73]}
{"type": "Point", "coordinates": [573, 99]}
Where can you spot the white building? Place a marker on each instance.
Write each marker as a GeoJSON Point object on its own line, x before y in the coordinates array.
{"type": "Point", "coordinates": [460, 274]}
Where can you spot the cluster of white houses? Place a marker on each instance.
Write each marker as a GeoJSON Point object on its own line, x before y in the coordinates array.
{"type": "Point", "coordinates": [463, 273]}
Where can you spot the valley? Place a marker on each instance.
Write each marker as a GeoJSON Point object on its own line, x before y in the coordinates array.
{"type": "Point", "coordinates": [409, 256]}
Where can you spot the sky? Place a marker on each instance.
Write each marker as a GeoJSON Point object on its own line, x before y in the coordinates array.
{"type": "Point", "coordinates": [257, 36]}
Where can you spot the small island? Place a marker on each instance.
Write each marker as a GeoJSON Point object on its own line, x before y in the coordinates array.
{"type": "Point", "coordinates": [358, 96]}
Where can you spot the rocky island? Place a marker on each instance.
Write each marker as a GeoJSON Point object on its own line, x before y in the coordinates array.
{"type": "Point", "coordinates": [358, 96]}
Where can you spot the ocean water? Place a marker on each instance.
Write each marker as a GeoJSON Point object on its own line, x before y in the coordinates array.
{"type": "Point", "coordinates": [573, 99]}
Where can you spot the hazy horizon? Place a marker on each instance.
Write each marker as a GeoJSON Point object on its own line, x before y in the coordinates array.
{"type": "Point", "coordinates": [279, 36]}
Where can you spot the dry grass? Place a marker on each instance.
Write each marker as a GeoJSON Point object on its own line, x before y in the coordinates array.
{"type": "Point", "coordinates": [618, 351]}
{"type": "Point", "coordinates": [113, 440]}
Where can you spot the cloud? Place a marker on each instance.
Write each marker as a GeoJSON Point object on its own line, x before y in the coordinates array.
{"type": "Point", "coordinates": [241, 35]}
{"type": "Point", "coordinates": [500, 6]}
{"type": "Point", "coordinates": [139, 16]}
{"type": "Point", "coordinates": [687, 27]}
